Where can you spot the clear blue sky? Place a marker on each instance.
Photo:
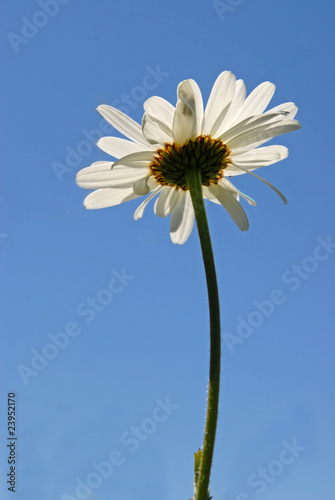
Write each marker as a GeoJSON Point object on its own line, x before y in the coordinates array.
{"type": "Point", "coordinates": [140, 358]}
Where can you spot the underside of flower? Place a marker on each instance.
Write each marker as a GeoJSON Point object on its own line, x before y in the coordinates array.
{"type": "Point", "coordinates": [174, 145]}
{"type": "Point", "coordinates": [171, 163]}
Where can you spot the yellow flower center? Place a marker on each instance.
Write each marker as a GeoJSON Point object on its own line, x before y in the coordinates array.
{"type": "Point", "coordinates": [171, 163]}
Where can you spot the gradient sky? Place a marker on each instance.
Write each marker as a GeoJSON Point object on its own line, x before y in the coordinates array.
{"type": "Point", "coordinates": [140, 358]}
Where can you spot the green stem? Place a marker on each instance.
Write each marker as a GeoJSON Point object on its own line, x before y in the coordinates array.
{"type": "Point", "coordinates": [194, 184]}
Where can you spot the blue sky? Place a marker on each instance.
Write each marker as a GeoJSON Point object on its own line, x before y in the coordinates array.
{"type": "Point", "coordinates": [122, 393]}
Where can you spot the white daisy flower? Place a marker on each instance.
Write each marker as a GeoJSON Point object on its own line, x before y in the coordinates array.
{"type": "Point", "coordinates": [223, 141]}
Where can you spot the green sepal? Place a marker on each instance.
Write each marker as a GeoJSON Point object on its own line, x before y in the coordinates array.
{"type": "Point", "coordinates": [197, 462]}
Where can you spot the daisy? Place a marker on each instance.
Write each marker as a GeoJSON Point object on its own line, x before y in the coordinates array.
{"type": "Point", "coordinates": [223, 140]}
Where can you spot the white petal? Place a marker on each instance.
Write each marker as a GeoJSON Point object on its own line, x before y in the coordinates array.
{"type": "Point", "coordinates": [257, 136]}
{"type": "Point", "coordinates": [182, 218]}
{"type": "Point", "coordinates": [139, 211]}
{"type": "Point", "coordinates": [97, 166]}
{"type": "Point", "coordinates": [117, 147]}
{"type": "Point", "coordinates": [225, 183]}
{"type": "Point", "coordinates": [141, 187]}
{"type": "Point", "coordinates": [232, 206]}
{"type": "Point", "coordinates": [234, 109]}
{"type": "Point", "coordinates": [189, 112]}
{"type": "Point", "coordinates": [152, 183]}
{"type": "Point", "coordinates": [166, 202]}
{"type": "Point", "coordinates": [153, 132]}
{"type": "Point", "coordinates": [189, 93]}
{"type": "Point", "coordinates": [123, 124]}
{"type": "Point", "coordinates": [135, 160]}
{"type": "Point", "coordinates": [161, 111]}
{"type": "Point", "coordinates": [256, 158]}
{"type": "Point", "coordinates": [280, 194]}
{"type": "Point", "coordinates": [250, 123]}
{"type": "Point", "coordinates": [184, 124]}
{"type": "Point", "coordinates": [264, 156]}
{"type": "Point", "coordinates": [209, 196]}
{"type": "Point", "coordinates": [257, 101]}
{"type": "Point", "coordinates": [288, 108]}
{"type": "Point", "coordinates": [91, 178]}
{"type": "Point", "coordinates": [218, 103]}
{"type": "Point", "coordinates": [109, 197]}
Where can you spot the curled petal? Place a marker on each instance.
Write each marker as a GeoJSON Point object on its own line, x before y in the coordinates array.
{"type": "Point", "coordinates": [161, 111]}
{"type": "Point", "coordinates": [153, 132]}
{"type": "Point", "coordinates": [141, 187]}
{"type": "Point", "coordinates": [289, 109]}
{"type": "Point", "coordinates": [189, 93]}
{"type": "Point", "coordinates": [184, 124]}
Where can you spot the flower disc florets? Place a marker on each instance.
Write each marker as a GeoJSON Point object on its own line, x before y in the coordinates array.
{"type": "Point", "coordinates": [171, 163]}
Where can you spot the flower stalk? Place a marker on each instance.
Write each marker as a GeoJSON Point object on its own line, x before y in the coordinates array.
{"type": "Point", "coordinates": [195, 187]}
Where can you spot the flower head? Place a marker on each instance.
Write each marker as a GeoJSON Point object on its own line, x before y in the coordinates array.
{"type": "Point", "coordinates": [222, 141]}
